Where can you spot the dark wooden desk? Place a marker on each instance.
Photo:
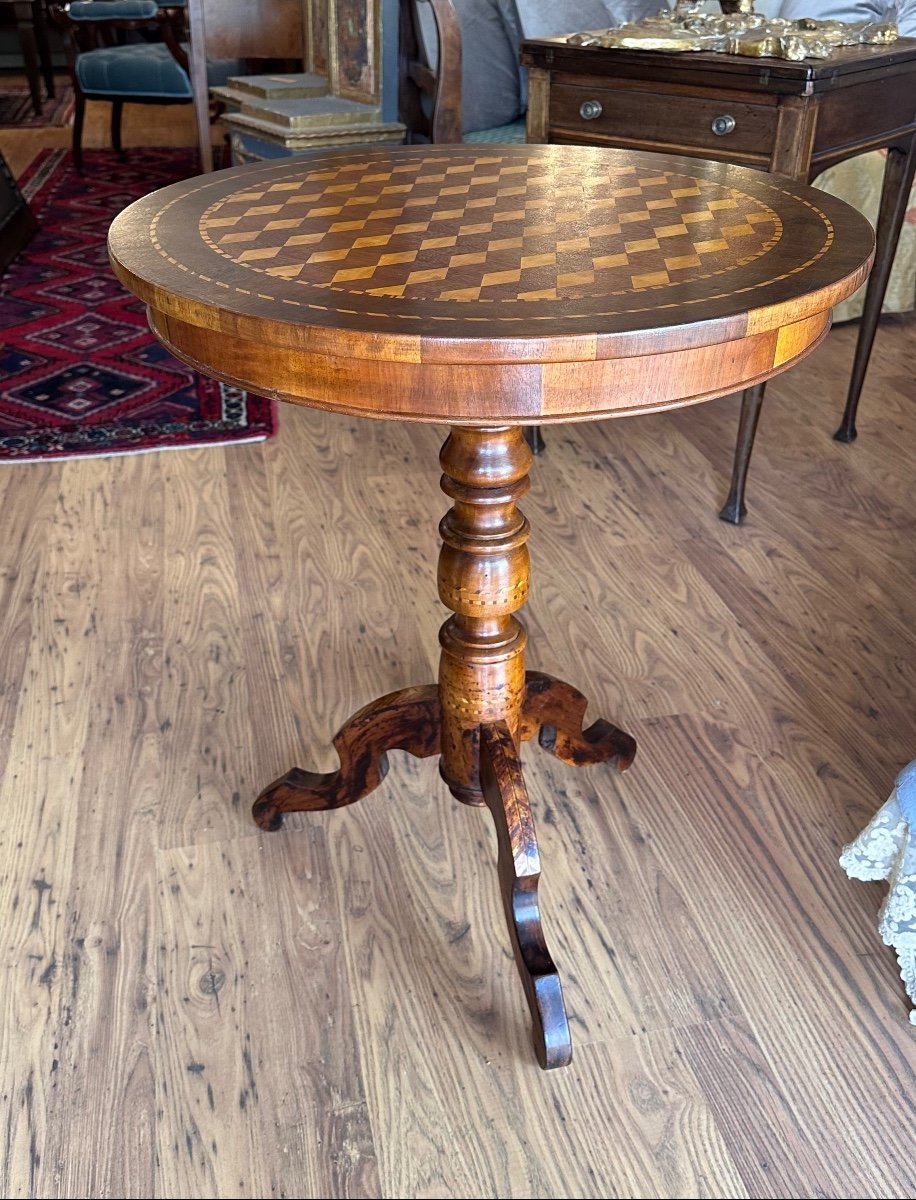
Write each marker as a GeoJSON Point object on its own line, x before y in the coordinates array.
{"type": "Point", "coordinates": [487, 288]}
{"type": "Point", "coordinates": [792, 118]}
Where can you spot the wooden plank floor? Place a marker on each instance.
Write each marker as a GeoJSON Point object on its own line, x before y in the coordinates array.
{"type": "Point", "coordinates": [190, 1008]}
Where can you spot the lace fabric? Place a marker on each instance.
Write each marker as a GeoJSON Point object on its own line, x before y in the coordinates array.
{"type": "Point", "coordinates": [886, 849]}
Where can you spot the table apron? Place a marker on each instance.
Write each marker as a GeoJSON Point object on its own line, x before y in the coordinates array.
{"type": "Point", "coordinates": [502, 393]}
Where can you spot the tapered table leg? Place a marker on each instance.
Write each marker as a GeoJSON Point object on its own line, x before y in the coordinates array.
{"type": "Point", "coordinates": [535, 439]}
{"type": "Point", "coordinates": [519, 873]}
{"type": "Point", "coordinates": [898, 180]}
{"type": "Point", "coordinates": [734, 509]}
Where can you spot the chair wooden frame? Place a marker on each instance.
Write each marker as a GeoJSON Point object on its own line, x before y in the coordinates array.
{"type": "Point", "coordinates": [86, 35]}
{"type": "Point", "coordinates": [438, 120]}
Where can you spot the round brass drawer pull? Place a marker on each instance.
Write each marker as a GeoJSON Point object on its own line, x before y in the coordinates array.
{"type": "Point", "coordinates": [589, 109]}
{"type": "Point", "coordinates": [723, 125]}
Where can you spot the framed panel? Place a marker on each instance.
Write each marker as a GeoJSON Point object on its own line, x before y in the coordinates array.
{"type": "Point", "coordinates": [355, 49]}
{"type": "Point", "coordinates": [318, 36]}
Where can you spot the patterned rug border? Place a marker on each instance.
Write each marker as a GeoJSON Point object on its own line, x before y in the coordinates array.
{"type": "Point", "coordinates": [228, 396]}
{"type": "Point", "coordinates": [37, 174]}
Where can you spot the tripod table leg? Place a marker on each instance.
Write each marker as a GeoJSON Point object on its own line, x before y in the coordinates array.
{"type": "Point", "coordinates": [555, 710]}
{"type": "Point", "coordinates": [519, 872]}
{"type": "Point", "coordinates": [405, 720]}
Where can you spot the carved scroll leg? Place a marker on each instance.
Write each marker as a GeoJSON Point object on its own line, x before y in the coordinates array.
{"type": "Point", "coordinates": [405, 720]}
{"type": "Point", "coordinates": [555, 711]}
{"type": "Point", "coordinates": [519, 873]}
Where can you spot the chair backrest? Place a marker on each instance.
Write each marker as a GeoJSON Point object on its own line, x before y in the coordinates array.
{"type": "Point", "coordinates": [429, 71]}
{"type": "Point", "coordinates": [93, 24]}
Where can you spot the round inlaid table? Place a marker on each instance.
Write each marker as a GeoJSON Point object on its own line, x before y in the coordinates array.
{"type": "Point", "coordinates": [487, 288]}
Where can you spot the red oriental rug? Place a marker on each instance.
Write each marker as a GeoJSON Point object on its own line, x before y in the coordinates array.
{"type": "Point", "coordinates": [80, 372]}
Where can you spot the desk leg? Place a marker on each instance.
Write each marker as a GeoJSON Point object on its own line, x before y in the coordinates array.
{"type": "Point", "coordinates": [734, 509]}
{"type": "Point", "coordinates": [30, 59]}
{"type": "Point", "coordinates": [44, 49]}
{"type": "Point", "coordinates": [535, 439]}
{"type": "Point", "coordinates": [484, 707]}
{"type": "Point", "coordinates": [898, 179]}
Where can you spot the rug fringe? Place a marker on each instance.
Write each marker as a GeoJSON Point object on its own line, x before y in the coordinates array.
{"type": "Point", "coordinates": [243, 441]}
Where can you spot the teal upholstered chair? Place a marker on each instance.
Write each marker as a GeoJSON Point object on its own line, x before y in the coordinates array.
{"type": "Point", "coordinates": [129, 51]}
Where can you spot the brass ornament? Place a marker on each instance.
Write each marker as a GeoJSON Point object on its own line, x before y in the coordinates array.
{"type": "Point", "coordinates": [738, 29]}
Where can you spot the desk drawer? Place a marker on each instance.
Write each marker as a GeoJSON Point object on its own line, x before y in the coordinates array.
{"type": "Point", "coordinates": [669, 122]}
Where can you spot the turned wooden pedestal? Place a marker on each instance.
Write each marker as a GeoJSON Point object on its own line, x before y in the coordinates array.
{"type": "Point", "coordinates": [487, 289]}
{"type": "Point", "coordinates": [484, 706]}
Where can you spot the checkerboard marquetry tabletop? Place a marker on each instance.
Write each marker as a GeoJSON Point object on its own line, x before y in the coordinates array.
{"type": "Point", "coordinates": [487, 288]}
{"type": "Point", "coordinates": [489, 230]}
{"type": "Point", "coordinates": [424, 256]}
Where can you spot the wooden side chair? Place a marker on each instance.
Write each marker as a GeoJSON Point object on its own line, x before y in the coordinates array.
{"type": "Point", "coordinates": [110, 58]}
{"type": "Point", "coordinates": [443, 97]}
